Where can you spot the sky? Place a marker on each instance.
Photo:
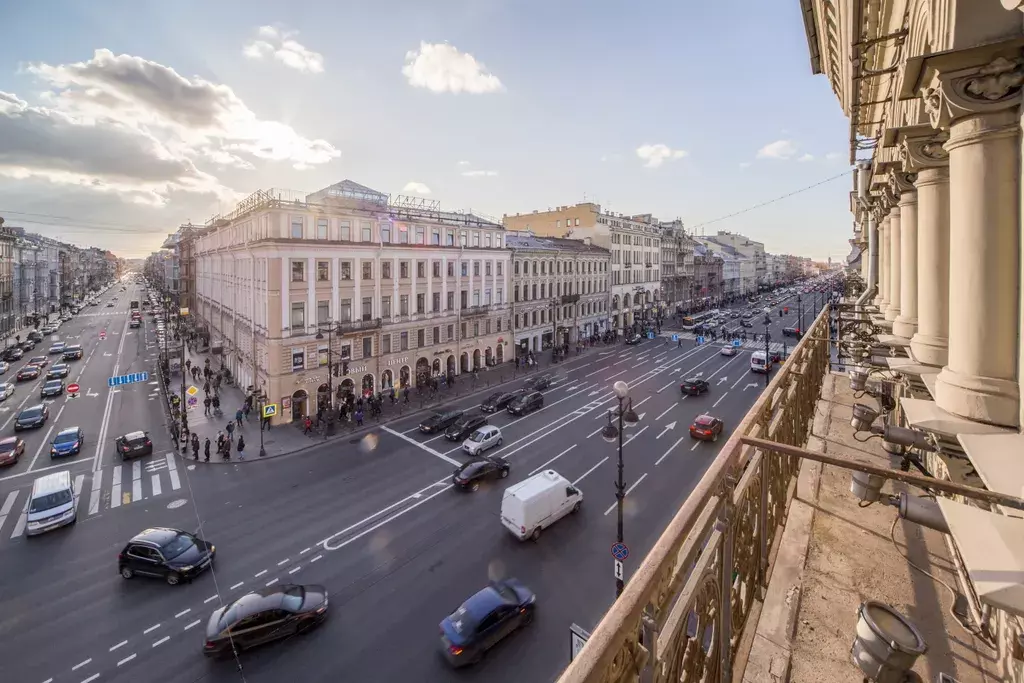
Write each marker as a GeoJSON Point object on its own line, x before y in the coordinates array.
{"type": "Point", "coordinates": [121, 120]}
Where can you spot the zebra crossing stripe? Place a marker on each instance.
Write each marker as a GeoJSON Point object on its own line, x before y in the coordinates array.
{"type": "Point", "coordinates": [6, 509]}
{"type": "Point", "coordinates": [156, 484]}
{"type": "Point", "coordinates": [19, 528]}
{"type": "Point", "coordinates": [136, 480]}
{"type": "Point", "coordinates": [115, 493]}
{"type": "Point", "coordinates": [172, 468]}
{"type": "Point", "coordinates": [94, 499]}
{"type": "Point", "coordinates": [79, 481]}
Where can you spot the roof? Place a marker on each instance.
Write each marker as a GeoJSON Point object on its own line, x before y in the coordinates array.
{"type": "Point", "coordinates": [131, 436]}
{"type": "Point", "coordinates": [158, 536]}
{"type": "Point", "coordinates": [523, 240]}
{"type": "Point", "coordinates": [68, 430]}
{"type": "Point", "coordinates": [482, 602]}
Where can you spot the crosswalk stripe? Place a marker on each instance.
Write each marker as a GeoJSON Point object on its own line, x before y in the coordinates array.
{"type": "Point", "coordinates": [136, 480]}
{"type": "Point", "coordinates": [19, 528]}
{"type": "Point", "coordinates": [172, 467]}
{"type": "Point", "coordinates": [6, 509]}
{"type": "Point", "coordinates": [79, 481]}
{"type": "Point", "coordinates": [115, 493]}
{"type": "Point", "coordinates": [156, 484]}
{"type": "Point", "coordinates": [94, 499]}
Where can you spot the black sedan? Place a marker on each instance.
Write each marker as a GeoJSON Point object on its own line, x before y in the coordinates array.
{"type": "Point", "coordinates": [633, 339]}
{"type": "Point", "coordinates": [440, 421]}
{"type": "Point", "coordinates": [499, 400]}
{"type": "Point", "coordinates": [469, 475]}
{"type": "Point", "coordinates": [484, 620]}
{"type": "Point", "coordinates": [58, 371]}
{"type": "Point", "coordinates": [168, 554]}
{"type": "Point", "coordinates": [27, 373]}
{"type": "Point", "coordinates": [13, 353]}
{"type": "Point", "coordinates": [541, 382]}
{"type": "Point", "coordinates": [134, 444]}
{"type": "Point", "coordinates": [694, 386]}
{"type": "Point", "coordinates": [31, 418]}
{"type": "Point", "coordinates": [53, 387]}
{"type": "Point", "coordinates": [465, 426]}
{"type": "Point", "coordinates": [263, 616]}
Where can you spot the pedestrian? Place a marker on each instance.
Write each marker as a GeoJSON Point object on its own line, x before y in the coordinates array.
{"type": "Point", "coordinates": [246, 409]}
{"type": "Point", "coordinates": [307, 425]}
{"type": "Point", "coordinates": [231, 431]}
{"type": "Point", "coordinates": [206, 387]}
{"type": "Point", "coordinates": [206, 450]}
{"type": "Point", "coordinates": [359, 417]}
{"type": "Point", "coordinates": [195, 446]}
{"type": "Point", "coordinates": [241, 447]}
{"type": "Point", "coordinates": [220, 442]}
{"type": "Point", "coordinates": [238, 417]}
{"type": "Point", "coordinates": [206, 406]}
{"type": "Point", "coordinates": [175, 435]}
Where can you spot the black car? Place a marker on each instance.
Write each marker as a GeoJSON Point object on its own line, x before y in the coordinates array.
{"type": "Point", "coordinates": [13, 353]}
{"type": "Point", "coordinates": [499, 400]}
{"type": "Point", "coordinates": [745, 322]}
{"type": "Point", "coordinates": [167, 554]}
{"type": "Point", "coordinates": [73, 352]}
{"type": "Point", "coordinates": [263, 616]}
{"type": "Point", "coordinates": [32, 417]}
{"type": "Point", "coordinates": [791, 332]}
{"type": "Point", "coordinates": [694, 386]}
{"type": "Point", "coordinates": [526, 403]}
{"type": "Point", "coordinates": [440, 421]}
{"type": "Point", "coordinates": [469, 475]}
{"type": "Point", "coordinates": [484, 620]}
{"type": "Point", "coordinates": [134, 444]}
{"type": "Point", "coordinates": [634, 339]}
{"type": "Point", "coordinates": [58, 371]}
{"type": "Point", "coordinates": [541, 382]}
{"type": "Point", "coordinates": [27, 345]}
{"type": "Point", "coordinates": [465, 426]}
{"type": "Point", "coordinates": [53, 387]}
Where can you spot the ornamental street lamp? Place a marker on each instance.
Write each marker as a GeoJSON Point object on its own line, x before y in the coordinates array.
{"type": "Point", "coordinates": [330, 369]}
{"type": "Point", "coordinates": [767, 353]}
{"type": "Point", "coordinates": [610, 433]}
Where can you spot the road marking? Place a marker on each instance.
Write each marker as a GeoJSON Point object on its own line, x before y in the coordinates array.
{"type": "Point", "coordinates": [428, 449]}
{"type": "Point", "coordinates": [589, 471]}
{"type": "Point", "coordinates": [554, 459]}
{"type": "Point", "coordinates": [121, 644]}
{"type": "Point", "coordinates": [304, 551]}
{"type": "Point", "coordinates": [209, 599]}
{"type": "Point", "coordinates": [670, 449]}
{"type": "Point", "coordinates": [126, 659]}
{"type": "Point", "coordinates": [636, 483]}
{"type": "Point", "coordinates": [45, 442]}
{"type": "Point", "coordinates": [78, 666]}
{"type": "Point", "coordinates": [172, 468]}
{"type": "Point", "coordinates": [260, 574]}
{"type": "Point", "coordinates": [94, 498]}
{"type": "Point", "coordinates": [182, 613]}
{"type": "Point", "coordinates": [115, 492]}
{"type": "Point", "coordinates": [156, 485]}
{"type": "Point", "coordinates": [90, 679]}
{"type": "Point", "coordinates": [324, 543]}
{"type": "Point", "coordinates": [294, 569]}
{"type": "Point", "coordinates": [672, 383]}
{"type": "Point", "coordinates": [151, 629]}
{"type": "Point", "coordinates": [642, 402]}
{"type": "Point", "coordinates": [667, 410]}
{"type": "Point", "coordinates": [742, 377]}
{"type": "Point", "coordinates": [720, 399]}
{"type": "Point", "coordinates": [79, 480]}
{"type": "Point", "coordinates": [19, 527]}
{"type": "Point", "coordinates": [6, 508]}
{"type": "Point", "coordinates": [697, 443]}
{"type": "Point", "coordinates": [616, 375]}
{"type": "Point", "coordinates": [137, 480]}
{"type": "Point", "coordinates": [194, 623]}
{"type": "Point", "coordinates": [105, 423]}
{"type": "Point", "coordinates": [283, 562]}
{"type": "Point", "coordinates": [237, 585]}
{"type": "Point", "coordinates": [315, 558]}
{"type": "Point", "coordinates": [161, 641]}
{"type": "Point", "coordinates": [271, 582]}
{"type": "Point", "coordinates": [636, 434]}
{"type": "Point", "coordinates": [595, 431]}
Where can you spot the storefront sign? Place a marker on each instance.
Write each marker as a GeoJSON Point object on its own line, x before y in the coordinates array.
{"type": "Point", "coordinates": [399, 361]}
{"type": "Point", "coordinates": [312, 379]}
{"type": "Point", "coordinates": [442, 353]}
{"type": "Point", "coordinates": [353, 369]}
{"type": "Point", "coordinates": [286, 402]}
{"type": "Point", "coordinates": [298, 359]}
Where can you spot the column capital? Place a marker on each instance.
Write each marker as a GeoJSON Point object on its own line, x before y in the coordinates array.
{"type": "Point", "coordinates": [900, 182]}
{"type": "Point", "coordinates": [919, 152]}
{"type": "Point", "coordinates": [991, 87]}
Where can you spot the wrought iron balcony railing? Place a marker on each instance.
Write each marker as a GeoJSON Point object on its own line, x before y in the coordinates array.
{"type": "Point", "coordinates": [693, 592]}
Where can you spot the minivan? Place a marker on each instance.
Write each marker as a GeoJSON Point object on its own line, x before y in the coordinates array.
{"type": "Point", "coordinates": [538, 502]}
{"type": "Point", "coordinates": [759, 362]}
{"type": "Point", "coordinates": [52, 503]}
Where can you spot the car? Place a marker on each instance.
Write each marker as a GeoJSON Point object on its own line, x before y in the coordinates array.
{"type": "Point", "coordinates": [633, 340]}
{"type": "Point", "coordinates": [68, 441]}
{"type": "Point", "coordinates": [4, 367]}
{"type": "Point", "coordinates": [728, 350]}
{"type": "Point", "coordinates": [541, 382]}
{"type": "Point", "coordinates": [73, 352]}
{"type": "Point", "coordinates": [526, 403]}
{"type": "Point", "coordinates": [268, 614]}
{"type": "Point", "coordinates": [482, 621]}
{"type": "Point", "coordinates": [27, 373]}
{"type": "Point", "coordinates": [27, 345]}
{"type": "Point", "coordinates": [11, 448]}
{"type": "Point", "coordinates": [706, 428]}
{"type": "Point", "coordinates": [57, 347]}
{"type": "Point", "coordinates": [47, 329]}
{"type": "Point", "coordinates": [791, 332]}
{"type": "Point", "coordinates": [694, 386]}
{"type": "Point", "coordinates": [440, 421]}
{"type": "Point", "coordinates": [6, 390]}
{"type": "Point", "coordinates": [13, 353]}
{"type": "Point", "coordinates": [58, 371]}
{"type": "Point", "coordinates": [469, 475]}
{"type": "Point", "coordinates": [465, 426]}
{"type": "Point", "coordinates": [169, 554]}
{"type": "Point", "coordinates": [499, 400]}
{"type": "Point", "coordinates": [110, 304]}
{"type": "Point", "coordinates": [746, 322]}
{"type": "Point", "coordinates": [776, 357]}
{"type": "Point", "coordinates": [135, 323]}
{"type": "Point", "coordinates": [483, 439]}
{"type": "Point", "coordinates": [39, 361]}
{"type": "Point", "coordinates": [53, 387]}
{"type": "Point", "coordinates": [134, 444]}
{"type": "Point", "coordinates": [31, 417]}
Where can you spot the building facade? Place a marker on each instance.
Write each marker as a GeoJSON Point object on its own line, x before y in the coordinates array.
{"type": "Point", "coordinates": [745, 247]}
{"type": "Point", "coordinates": [560, 292]}
{"type": "Point", "coordinates": [707, 285]}
{"type": "Point", "coordinates": [310, 296]}
{"type": "Point", "coordinates": [676, 264]}
{"type": "Point", "coordinates": [8, 317]}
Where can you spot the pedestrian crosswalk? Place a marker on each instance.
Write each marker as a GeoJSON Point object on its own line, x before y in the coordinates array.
{"type": "Point", "coordinates": [749, 344]}
{"type": "Point", "coordinates": [115, 487]}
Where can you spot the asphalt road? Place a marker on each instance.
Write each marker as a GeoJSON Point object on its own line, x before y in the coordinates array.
{"type": "Point", "coordinates": [377, 523]}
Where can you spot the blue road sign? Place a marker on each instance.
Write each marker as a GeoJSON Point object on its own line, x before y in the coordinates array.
{"type": "Point", "coordinates": [127, 379]}
{"type": "Point", "coordinates": [737, 342]}
{"type": "Point", "coordinates": [650, 335]}
{"type": "Point", "coordinates": [675, 337]}
{"type": "Point", "coordinates": [700, 340]}
{"type": "Point", "coordinates": [619, 551]}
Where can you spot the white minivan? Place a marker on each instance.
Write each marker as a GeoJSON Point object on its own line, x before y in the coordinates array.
{"type": "Point", "coordinates": [759, 362]}
{"type": "Point", "coordinates": [52, 503]}
{"type": "Point", "coordinates": [538, 502]}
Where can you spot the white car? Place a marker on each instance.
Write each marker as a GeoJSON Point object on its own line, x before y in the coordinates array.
{"type": "Point", "coordinates": [4, 367]}
{"type": "Point", "coordinates": [728, 350]}
{"type": "Point", "coordinates": [483, 439]}
{"type": "Point", "coordinates": [6, 390]}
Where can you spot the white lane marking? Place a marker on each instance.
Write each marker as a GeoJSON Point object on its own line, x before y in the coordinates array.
{"type": "Point", "coordinates": [161, 641]}
{"type": "Point", "coordinates": [78, 666]}
{"type": "Point", "coordinates": [90, 679]}
{"type": "Point", "coordinates": [209, 599]}
{"type": "Point", "coordinates": [237, 585]}
{"type": "Point", "coordinates": [19, 527]}
{"type": "Point", "coordinates": [589, 471]}
{"type": "Point", "coordinates": [115, 492]}
{"type": "Point", "coordinates": [672, 383]}
{"type": "Point", "coordinates": [271, 582]}
{"type": "Point", "coordinates": [324, 543]}
{"type": "Point", "coordinates": [428, 449]}
{"type": "Point", "coordinates": [553, 459]}
{"type": "Point", "coordinates": [151, 629]}
{"type": "Point", "coordinates": [101, 440]}
{"type": "Point", "coordinates": [94, 497]}
{"type": "Point", "coordinates": [6, 508]}
{"type": "Point", "coordinates": [642, 402]}
{"type": "Point", "coordinates": [260, 574]}
{"type": "Point", "coordinates": [593, 373]}
{"type": "Point", "coordinates": [126, 659]}
{"type": "Point", "coordinates": [316, 557]}
{"type": "Point", "coordinates": [172, 468]}
{"type": "Point", "coordinates": [79, 480]}
{"type": "Point", "coordinates": [194, 623]}
{"type": "Point", "coordinates": [182, 613]}
{"type": "Point", "coordinates": [304, 551]}
{"type": "Point", "coordinates": [670, 449]}
{"type": "Point", "coordinates": [742, 377]}
{"type": "Point", "coordinates": [121, 644]}
{"type": "Point", "coordinates": [282, 562]}
{"type": "Point", "coordinates": [48, 680]}
{"type": "Point", "coordinates": [294, 569]}
{"type": "Point", "coordinates": [43, 469]}
{"type": "Point", "coordinates": [636, 483]}
{"type": "Point", "coordinates": [720, 399]}
{"type": "Point", "coordinates": [636, 434]}
{"type": "Point", "coordinates": [45, 442]}
{"type": "Point", "coordinates": [616, 375]}
{"type": "Point", "coordinates": [156, 485]}
{"type": "Point", "coordinates": [695, 446]}
{"type": "Point", "coordinates": [667, 410]}
{"type": "Point", "coordinates": [594, 432]}
{"type": "Point", "coordinates": [136, 480]}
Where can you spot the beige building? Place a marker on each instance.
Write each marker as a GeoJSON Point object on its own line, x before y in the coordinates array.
{"type": "Point", "coordinates": [634, 243]}
{"type": "Point", "coordinates": [560, 290]}
{"type": "Point", "coordinates": [344, 290]}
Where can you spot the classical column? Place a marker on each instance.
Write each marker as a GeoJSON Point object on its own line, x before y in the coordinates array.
{"type": "Point", "coordinates": [927, 157]}
{"type": "Point", "coordinates": [872, 260]}
{"type": "Point", "coordinates": [892, 311]}
{"type": "Point", "coordinates": [882, 300]}
{"type": "Point", "coordinates": [905, 324]}
{"type": "Point", "coordinates": [979, 381]}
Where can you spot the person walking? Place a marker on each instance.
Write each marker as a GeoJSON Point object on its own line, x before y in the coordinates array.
{"type": "Point", "coordinates": [238, 417]}
{"type": "Point", "coordinates": [206, 406]}
{"type": "Point", "coordinates": [231, 432]}
{"type": "Point", "coordinates": [195, 446]}
{"type": "Point", "coordinates": [206, 450]}
{"type": "Point", "coordinates": [307, 425]}
{"type": "Point", "coordinates": [241, 447]}
{"type": "Point", "coordinates": [359, 417]}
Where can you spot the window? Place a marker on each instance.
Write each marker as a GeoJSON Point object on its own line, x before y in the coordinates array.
{"type": "Point", "coordinates": [385, 233]}
{"type": "Point", "coordinates": [385, 343]}
{"type": "Point", "coordinates": [366, 231]}
{"type": "Point", "coordinates": [323, 271]}
{"type": "Point", "coordinates": [403, 304]}
{"type": "Point", "coordinates": [577, 221]}
{"type": "Point", "coordinates": [498, 323]}
{"type": "Point", "coordinates": [476, 329]}
{"type": "Point", "coordinates": [436, 268]}
{"type": "Point", "coordinates": [498, 297]}
{"type": "Point", "coordinates": [323, 311]}
{"type": "Point", "coordinates": [297, 227]}
{"type": "Point", "coordinates": [421, 235]}
{"type": "Point", "coordinates": [421, 303]}
{"type": "Point", "coordinates": [403, 234]}
{"type": "Point", "coordinates": [451, 301]}
{"type": "Point", "coordinates": [421, 338]}
{"type": "Point", "coordinates": [345, 311]}
{"type": "Point", "coordinates": [487, 240]}
{"type": "Point", "coordinates": [367, 308]}
{"type": "Point", "coordinates": [385, 306]}
{"type": "Point", "coordinates": [298, 318]}
{"type": "Point", "coordinates": [435, 237]}
{"type": "Point", "coordinates": [450, 238]}
{"type": "Point", "coordinates": [465, 269]}
{"type": "Point", "coordinates": [346, 270]}
{"type": "Point", "coordinates": [463, 239]}
{"type": "Point", "coordinates": [464, 299]}
{"type": "Point", "coordinates": [421, 269]}
{"type": "Point", "coordinates": [476, 269]}
{"type": "Point", "coordinates": [346, 231]}
{"type": "Point", "coordinates": [451, 332]}
{"type": "Point", "coordinates": [385, 270]}
{"type": "Point", "coordinates": [516, 270]}
{"type": "Point", "coordinates": [476, 297]}
{"type": "Point", "coordinates": [321, 228]}
{"type": "Point", "coordinates": [435, 302]}
{"type": "Point", "coordinates": [451, 269]}
{"type": "Point", "coordinates": [487, 268]}
{"type": "Point", "coordinates": [476, 239]}
{"type": "Point", "coordinates": [404, 339]}
{"type": "Point", "coordinates": [367, 347]}
{"type": "Point", "coordinates": [298, 271]}
{"type": "Point", "coordinates": [367, 270]}
{"type": "Point", "coordinates": [403, 270]}
{"type": "Point", "coordinates": [462, 331]}
{"type": "Point", "coordinates": [487, 297]}
{"type": "Point", "coordinates": [436, 337]}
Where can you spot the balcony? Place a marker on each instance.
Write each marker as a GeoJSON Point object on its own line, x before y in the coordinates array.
{"type": "Point", "coordinates": [475, 311]}
{"type": "Point", "coordinates": [359, 325]}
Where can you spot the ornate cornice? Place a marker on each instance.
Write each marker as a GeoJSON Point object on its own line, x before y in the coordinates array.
{"type": "Point", "coordinates": [993, 87]}
{"type": "Point", "coordinates": [924, 151]}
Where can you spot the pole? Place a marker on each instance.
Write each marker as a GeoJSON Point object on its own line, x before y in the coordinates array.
{"type": "Point", "coordinates": [767, 355]}
{"type": "Point", "coordinates": [184, 407]}
{"type": "Point", "coordinates": [620, 495]}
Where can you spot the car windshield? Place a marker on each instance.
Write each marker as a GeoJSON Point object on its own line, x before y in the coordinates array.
{"type": "Point", "coordinates": [32, 412]}
{"type": "Point", "coordinates": [66, 437]}
{"type": "Point", "coordinates": [705, 421]}
{"type": "Point", "coordinates": [53, 384]}
{"type": "Point", "coordinates": [50, 501]}
{"type": "Point", "coordinates": [477, 436]}
{"type": "Point", "coordinates": [293, 598]}
{"type": "Point", "coordinates": [176, 546]}
{"type": "Point", "coordinates": [7, 446]}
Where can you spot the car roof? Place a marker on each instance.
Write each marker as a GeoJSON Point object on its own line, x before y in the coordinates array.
{"type": "Point", "coordinates": [54, 381]}
{"type": "Point", "coordinates": [69, 430]}
{"type": "Point", "coordinates": [704, 419]}
{"type": "Point", "coordinates": [483, 602]}
{"type": "Point", "coordinates": [157, 536]}
{"type": "Point", "coordinates": [693, 379]}
{"type": "Point", "coordinates": [131, 436]}
{"type": "Point", "coordinates": [38, 406]}
{"type": "Point", "coordinates": [8, 439]}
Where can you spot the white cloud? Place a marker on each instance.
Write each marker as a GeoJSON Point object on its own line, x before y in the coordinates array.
{"type": "Point", "coordinates": [745, 164]}
{"type": "Point", "coordinates": [281, 45]}
{"type": "Point", "coordinates": [416, 188]}
{"type": "Point", "coordinates": [655, 155]}
{"type": "Point", "coordinates": [833, 156]}
{"type": "Point", "coordinates": [462, 163]}
{"type": "Point", "coordinates": [479, 174]}
{"type": "Point", "coordinates": [780, 149]}
{"type": "Point", "coordinates": [806, 157]}
{"type": "Point", "coordinates": [439, 67]}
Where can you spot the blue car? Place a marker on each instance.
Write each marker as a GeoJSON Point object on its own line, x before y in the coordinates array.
{"type": "Point", "coordinates": [67, 442]}
{"type": "Point", "coordinates": [484, 620]}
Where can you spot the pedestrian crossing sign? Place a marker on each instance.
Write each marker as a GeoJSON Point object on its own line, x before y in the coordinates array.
{"type": "Point", "coordinates": [269, 410]}
{"type": "Point", "coordinates": [192, 391]}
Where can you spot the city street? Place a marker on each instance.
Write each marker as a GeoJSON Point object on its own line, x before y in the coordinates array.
{"type": "Point", "coordinates": [373, 519]}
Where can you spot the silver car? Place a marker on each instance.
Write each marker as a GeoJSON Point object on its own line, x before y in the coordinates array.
{"type": "Point", "coordinates": [6, 390]}
{"type": "Point", "coordinates": [728, 350]}
{"type": "Point", "coordinates": [481, 440]}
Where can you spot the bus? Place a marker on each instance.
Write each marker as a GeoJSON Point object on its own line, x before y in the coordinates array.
{"type": "Point", "coordinates": [692, 321]}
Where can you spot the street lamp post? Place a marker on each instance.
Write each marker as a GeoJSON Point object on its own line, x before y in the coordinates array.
{"type": "Point", "coordinates": [800, 307]}
{"type": "Point", "coordinates": [330, 370]}
{"type": "Point", "coordinates": [767, 353]}
{"type": "Point", "coordinates": [184, 407]}
{"type": "Point", "coordinates": [610, 433]}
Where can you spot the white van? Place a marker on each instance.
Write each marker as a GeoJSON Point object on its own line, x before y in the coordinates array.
{"type": "Point", "coordinates": [52, 503]}
{"type": "Point", "coordinates": [537, 503]}
{"type": "Point", "coordinates": [759, 362]}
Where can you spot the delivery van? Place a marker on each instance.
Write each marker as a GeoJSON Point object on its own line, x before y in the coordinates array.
{"type": "Point", "coordinates": [538, 502]}
{"type": "Point", "coordinates": [52, 503]}
{"type": "Point", "coordinates": [759, 362]}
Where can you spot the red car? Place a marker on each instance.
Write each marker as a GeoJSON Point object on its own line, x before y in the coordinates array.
{"type": "Point", "coordinates": [39, 361]}
{"type": "Point", "coordinates": [28, 372]}
{"type": "Point", "coordinates": [706, 428]}
{"type": "Point", "coordinates": [11, 448]}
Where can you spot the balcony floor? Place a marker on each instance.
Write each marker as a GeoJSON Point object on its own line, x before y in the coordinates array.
{"type": "Point", "coordinates": [835, 555]}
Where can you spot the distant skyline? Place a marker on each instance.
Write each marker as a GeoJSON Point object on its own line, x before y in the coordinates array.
{"type": "Point", "coordinates": [130, 120]}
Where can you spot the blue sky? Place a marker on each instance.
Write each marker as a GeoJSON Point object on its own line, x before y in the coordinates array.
{"type": "Point", "coordinates": [561, 96]}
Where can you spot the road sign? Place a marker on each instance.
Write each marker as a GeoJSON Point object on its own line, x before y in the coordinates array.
{"type": "Point", "coordinates": [650, 335]}
{"type": "Point", "coordinates": [737, 342]}
{"type": "Point", "coordinates": [192, 401]}
{"type": "Point", "coordinates": [192, 391]}
{"type": "Point", "coordinates": [127, 379]}
{"type": "Point", "coordinates": [700, 339]}
{"type": "Point", "coordinates": [73, 388]}
{"type": "Point", "coordinates": [578, 637]}
{"type": "Point", "coordinates": [620, 551]}
{"type": "Point", "coordinates": [675, 337]}
{"type": "Point", "coordinates": [269, 410]}
{"type": "Point", "coordinates": [618, 570]}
